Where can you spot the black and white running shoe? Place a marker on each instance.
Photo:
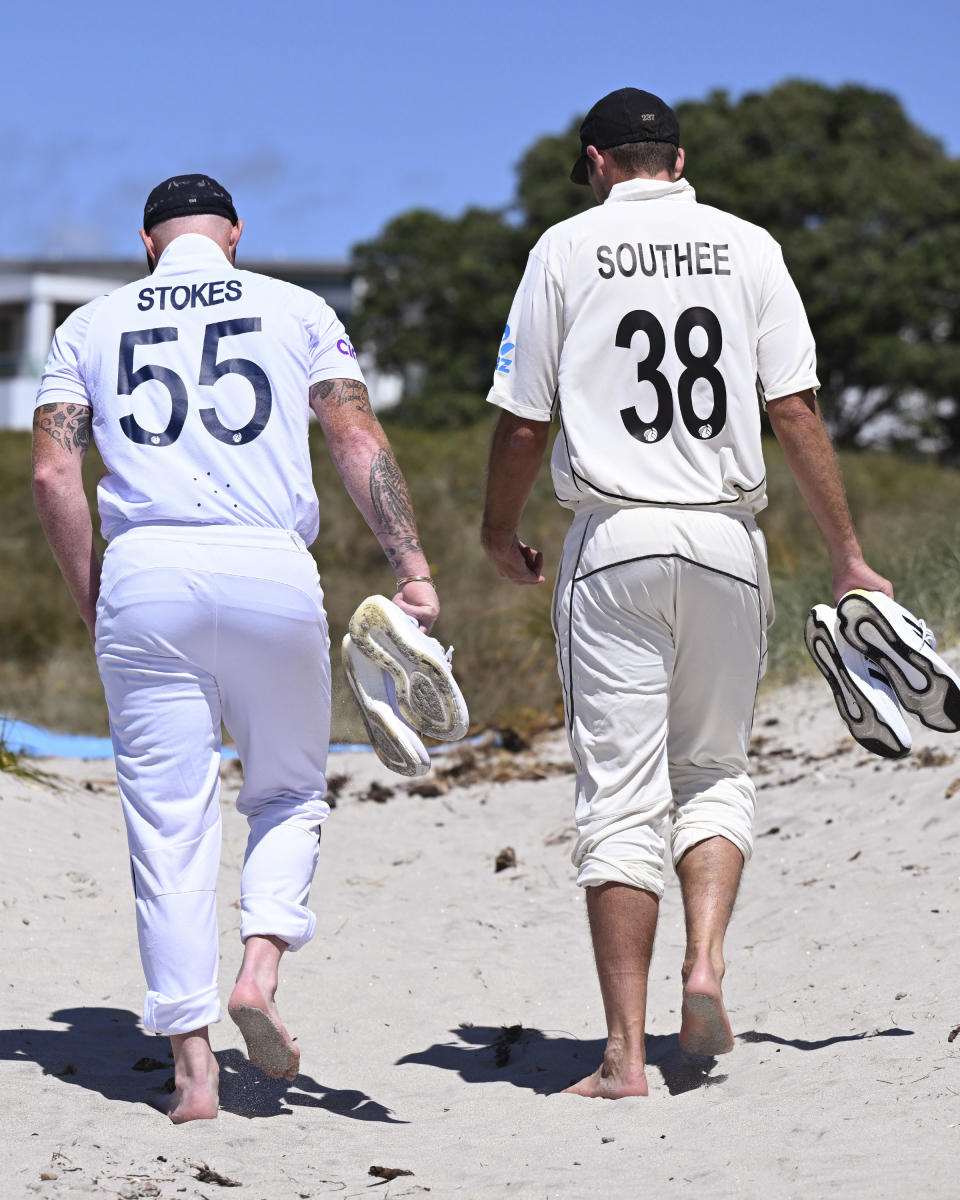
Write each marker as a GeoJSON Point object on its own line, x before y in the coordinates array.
{"type": "Point", "coordinates": [865, 699]}
{"type": "Point", "coordinates": [903, 647]}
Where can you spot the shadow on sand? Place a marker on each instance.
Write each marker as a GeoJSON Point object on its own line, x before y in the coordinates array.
{"type": "Point", "coordinates": [99, 1048]}
{"type": "Point", "coordinates": [547, 1063]}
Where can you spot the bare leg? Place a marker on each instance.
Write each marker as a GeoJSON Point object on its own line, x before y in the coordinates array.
{"type": "Point", "coordinates": [623, 921]}
{"type": "Point", "coordinates": [254, 1011]}
{"type": "Point", "coordinates": [709, 875]}
{"type": "Point", "coordinates": [196, 1076]}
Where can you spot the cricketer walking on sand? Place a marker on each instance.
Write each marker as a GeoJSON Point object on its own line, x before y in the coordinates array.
{"type": "Point", "coordinates": [643, 325]}
{"type": "Point", "coordinates": [196, 383]}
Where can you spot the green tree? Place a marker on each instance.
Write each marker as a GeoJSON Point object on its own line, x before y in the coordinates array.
{"type": "Point", "coordinates": [865, 204]}
{"type": "Point", "coordinates": [545, 194]}
{"type": "Point", "coordinates": [867, 209]}
{"type": "Point", "coordinates": [435, 295]}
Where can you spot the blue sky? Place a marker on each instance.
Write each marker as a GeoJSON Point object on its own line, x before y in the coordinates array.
{"type": "Point", "coordinates": [325, 120]}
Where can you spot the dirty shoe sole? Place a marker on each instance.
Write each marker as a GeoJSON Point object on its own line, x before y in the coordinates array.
{"type": "Point", "coordinates": [922, 681]}
{"type": "Point", "coordinates": [396, 745]}
{"type": "Point", "coordinates": [889, 738]}
{"type": "Point", "coordinates": [427, 694]}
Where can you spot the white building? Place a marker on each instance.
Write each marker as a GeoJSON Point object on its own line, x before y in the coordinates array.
{"type": "Point", "coordinates": [37, 296]}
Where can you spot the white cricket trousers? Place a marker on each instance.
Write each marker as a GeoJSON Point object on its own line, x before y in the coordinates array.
{"type": "Point", "coordinates": [660, 617]}
{"type": "Point", "coordinates": [198, 624]}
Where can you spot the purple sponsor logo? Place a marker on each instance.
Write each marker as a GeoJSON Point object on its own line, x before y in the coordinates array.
{"type": "Point", "coordinates": [345, 348]}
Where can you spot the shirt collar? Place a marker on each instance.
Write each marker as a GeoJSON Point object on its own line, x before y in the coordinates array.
{"type": "Point", "coordinates": [651, 189]}
{"type": "Point", "coordinates": [191, 250]}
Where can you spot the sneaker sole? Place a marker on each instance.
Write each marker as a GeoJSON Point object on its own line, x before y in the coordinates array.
{"type": "Point", "coordinates": [865, 725]}
{"type": "Point", "coordinates": [384, 731]}
{"type": "Point", "coordinates": [937, 702]}
{"type": "Point", "coordinates": [427, 695]}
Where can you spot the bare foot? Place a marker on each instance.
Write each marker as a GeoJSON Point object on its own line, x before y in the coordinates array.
{"type": "Point", "coordinates": [620, 1074]}
{"type": "Point", "coordinates": [269, 1045]}
{"type": "Point", "coordinates": [197, 1079]}
{"type": "Point", "coordinates": [704, 1024]}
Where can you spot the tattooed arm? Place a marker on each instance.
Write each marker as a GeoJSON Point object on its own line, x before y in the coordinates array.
{"type": "Point", "coordinates": [61, 438]}
{"type": "Point", "coordinates": [365, 462]}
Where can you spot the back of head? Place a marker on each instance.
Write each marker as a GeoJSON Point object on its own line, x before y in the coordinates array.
{"type": "Point", "coordinates": [188, 204]}
{"type": "Point", "coordinates": [639, 128]}
{"type": "Point", "coordinates": [186, 196]}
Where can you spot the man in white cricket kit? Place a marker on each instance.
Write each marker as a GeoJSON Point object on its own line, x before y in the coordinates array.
{"type": "Point", "coordinates": [196, 383]}
{"type": "Point", "coordinates": [644, 324]}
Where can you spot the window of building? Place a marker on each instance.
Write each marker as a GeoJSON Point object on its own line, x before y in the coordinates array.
{"type": "Point", "coordinates": [11, 339]}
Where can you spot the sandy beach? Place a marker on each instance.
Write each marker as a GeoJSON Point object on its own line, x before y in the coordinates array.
{"type": "Point", "coordinates": [443, 1002]}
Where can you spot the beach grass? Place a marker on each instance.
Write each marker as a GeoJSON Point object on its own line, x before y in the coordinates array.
{"type": "Point", "coordinates": [905, 513]}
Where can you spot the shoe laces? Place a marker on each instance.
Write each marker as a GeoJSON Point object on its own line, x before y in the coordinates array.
{"type": "Point", "coordinates": [447, 654]}
{"type": "Point", "coordinates": [926, 634]}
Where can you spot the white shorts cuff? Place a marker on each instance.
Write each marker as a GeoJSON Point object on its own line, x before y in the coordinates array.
{"type": "Point", "coordinates": [272, 916]}
{"type": "Point", "coordinates": [166, 1016]}
{"type": "Point", "coordinates": [595, 870]}
{"type": "Point", "coordinates": [692, 833]}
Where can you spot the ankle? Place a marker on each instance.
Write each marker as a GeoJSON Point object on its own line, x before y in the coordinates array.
{"type": "Point", "coordinates": [703, 960]}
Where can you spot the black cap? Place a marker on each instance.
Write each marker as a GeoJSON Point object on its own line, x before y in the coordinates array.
{"type": "Point", "coordinates": [186, 195]}
{"type": "Point", "coordinates": [627, 115]}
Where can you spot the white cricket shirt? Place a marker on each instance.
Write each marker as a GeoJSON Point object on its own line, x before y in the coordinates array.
{"type": "Point", "coordinates": [649, 320]}
{"type": "Point", "coordinates": [199, 379]}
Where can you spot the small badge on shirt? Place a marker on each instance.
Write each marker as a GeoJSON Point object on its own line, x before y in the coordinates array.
{"type": "Point", "coordinates": [505, 359]}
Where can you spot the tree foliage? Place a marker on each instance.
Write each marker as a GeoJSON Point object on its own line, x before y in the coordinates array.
{"type": "Point", "coordinates": [435, 295]}
{"type": "Point", "coordinates": [865, 204]}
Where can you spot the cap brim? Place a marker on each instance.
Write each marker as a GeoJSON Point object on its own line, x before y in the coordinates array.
{"type": "Point", "coordinates": [579, 172]}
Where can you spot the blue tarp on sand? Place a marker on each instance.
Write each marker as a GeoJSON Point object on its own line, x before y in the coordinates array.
{"type": "Point", "coordinates": [22, 738]}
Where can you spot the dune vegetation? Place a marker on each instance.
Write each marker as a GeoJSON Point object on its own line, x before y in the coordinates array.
{"type": "Point", "coordinates": [905, 511]}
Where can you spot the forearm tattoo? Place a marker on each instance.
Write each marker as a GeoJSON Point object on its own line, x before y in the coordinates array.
{"type": "Point", "coordinates": [392, 507]}
{"type": "Point", "coordinates": [343, 392]}
{"type": "Point", "coordinates": [70, 425]}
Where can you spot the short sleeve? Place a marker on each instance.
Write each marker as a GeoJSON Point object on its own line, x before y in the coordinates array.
{"type": "Point", "coordinates": [63, 379]}
{"type": "Point", "coordinates": [525, 378]}
{"type": "Point", "coordinates": [786, 351]}
{"type": "Point", "coordinates": [331, 353]}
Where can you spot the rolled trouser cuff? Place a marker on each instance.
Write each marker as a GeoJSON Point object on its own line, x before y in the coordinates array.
{"type": "Point", "coordinates": [596, 870]}
{"type": "Point", "coordinates": [272, 916]}
{"type": "Point", "coordinates": [161, 1014]}
{"type": "Point", "coordinates": [724, 809]}
{"type": "Point", "coordinates": [626, 848]}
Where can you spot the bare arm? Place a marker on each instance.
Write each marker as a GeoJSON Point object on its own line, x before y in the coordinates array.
{"type": "Point", "coordinates": [806, 446]}
{"type": "Point", "coordinates": [366, 464]}
{"type": "Point", "coordinates": [516, 453]}
{"type": "Point", "coordinates": [61, 438]}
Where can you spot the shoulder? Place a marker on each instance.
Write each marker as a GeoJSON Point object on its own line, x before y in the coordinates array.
{"type": "Point", "coordinates": [738, 226]}
{"type": "Point", "coordinates": [555, 246]}
{"type": "Point", "coordinates": [290, 295]}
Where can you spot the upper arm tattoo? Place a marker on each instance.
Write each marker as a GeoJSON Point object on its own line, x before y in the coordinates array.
{"type": "Point", "coordinates": [70, 425]}
{"type": "Point", "coordinates": [343, 392]}
{"type": "Point", "coordinates": [392, 506]}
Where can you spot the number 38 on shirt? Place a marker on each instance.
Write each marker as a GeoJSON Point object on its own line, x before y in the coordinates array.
{"type": "Point", "coordinates": [696, 366]}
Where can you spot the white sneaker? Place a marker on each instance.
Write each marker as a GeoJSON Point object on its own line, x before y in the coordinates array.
{"type": "Point", "coordinates": [893, 638]}
{"type": "Point", "coordinates": [397, 745]}
{"type": "Point", "coordinates": [862, 691]}
{"type": "Point", "coordinates": [427, 693]}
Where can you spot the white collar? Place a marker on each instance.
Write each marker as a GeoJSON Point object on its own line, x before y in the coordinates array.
{"type": "Point", "coordinates": [196, 248]}
{"type": "Point", "coordinates": [651, 189]}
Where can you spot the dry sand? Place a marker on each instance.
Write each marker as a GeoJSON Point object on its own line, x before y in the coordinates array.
{"type": "Point", "coordinates": [444, 1003]}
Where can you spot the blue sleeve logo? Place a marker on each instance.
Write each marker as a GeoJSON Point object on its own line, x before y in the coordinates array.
{"type": "Point", "coordinates": [505, 359]}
